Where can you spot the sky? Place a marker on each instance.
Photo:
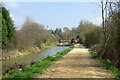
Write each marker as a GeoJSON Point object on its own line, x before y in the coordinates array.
{"type": "Point", "coordinates": [55, 14]}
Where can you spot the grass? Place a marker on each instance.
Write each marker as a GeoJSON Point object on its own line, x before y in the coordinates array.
{"type": "Point", "coordinates": [48, 45]}
{"type": "Point", "coordinates": [94, 55]}
{"type": "Point", "coordinates": [29, 71]}
{"type": "Point", "coordinates": [24, 50]}
{"type": "Point", "coordinates": [108, 65]}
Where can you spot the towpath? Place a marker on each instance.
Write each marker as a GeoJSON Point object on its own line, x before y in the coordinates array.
{"type": "Point", "coordinates": [78, 63]}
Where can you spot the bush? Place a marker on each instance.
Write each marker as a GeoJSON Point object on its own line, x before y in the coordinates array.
{"type": "Point", "coordinates": [89, 33]}
{"type": "Point", "coordinates": [93, 37]}
{"type": "Point", "coordinates": [30, 35]}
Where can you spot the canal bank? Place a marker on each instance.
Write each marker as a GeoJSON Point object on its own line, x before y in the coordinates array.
{"type": "Point", "coordinates": [17, 59]}
{"type": "Point", "coordinates": [38, 67]}
{"type": "Point", "coordinates": [16, 53]}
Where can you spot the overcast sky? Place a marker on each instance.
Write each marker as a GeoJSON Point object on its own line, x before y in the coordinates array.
{"type": "Point", "coordinates": [55, 14]}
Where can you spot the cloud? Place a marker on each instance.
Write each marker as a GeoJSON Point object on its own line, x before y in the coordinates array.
{"type": "Point", "coordinates": [97, 20]}
{"type": "Point", "coordinates": [12, 4]}
{"type": "Point", "coordinates": [12, 17]}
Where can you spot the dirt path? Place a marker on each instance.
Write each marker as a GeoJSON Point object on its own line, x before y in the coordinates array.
{"type": "Point", "coordinates": [77, 64]}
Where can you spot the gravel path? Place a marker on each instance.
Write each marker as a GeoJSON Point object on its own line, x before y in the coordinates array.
{"type": "Point", "coordinates": [78, 63]}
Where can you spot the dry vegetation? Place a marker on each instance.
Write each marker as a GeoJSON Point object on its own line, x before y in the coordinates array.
{"type": "Point", "coordinates": [30, 36]}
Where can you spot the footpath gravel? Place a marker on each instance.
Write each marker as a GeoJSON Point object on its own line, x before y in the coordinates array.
{"type": "Point", "coordinates": [78, 63]}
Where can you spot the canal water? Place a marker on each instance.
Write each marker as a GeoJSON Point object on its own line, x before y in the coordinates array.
{"type": "Point", "coordinates": [31, 58]}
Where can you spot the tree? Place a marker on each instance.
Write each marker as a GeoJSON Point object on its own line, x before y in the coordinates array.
{"type": "Point", "coordinates": [66, 30]}
{"type": "Point", "coordinates": [66, 33]}
{"type": "Point", "coordinates": [119, 34]}
{"type": "Point", "coordinates": [104, 25]}
{"type": "Point", "coordinates": [3, 30]}
{"type": "Point", "coordinates": [0, 32]}
{"type": "Point", "coordinates": [34, 33]}
{"type": "Point", "coordinates": [84, 28]}
{"type": "Point", "coordinates": [59, 34]}
{"type": "Point", "coordinates": [9, 23]}
{"type": "Point", "coordinates": [4, 33]}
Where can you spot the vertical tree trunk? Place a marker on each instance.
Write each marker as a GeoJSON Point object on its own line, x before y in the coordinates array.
{"type": "Point", "coordinates": [103, 26]}
{"type": "Point", "coordinates": [102, 16]}
{"type": "Point", "coordinates": [119, 35]}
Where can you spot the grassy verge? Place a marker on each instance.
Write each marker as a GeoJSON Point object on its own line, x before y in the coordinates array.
{"type": "Point", "coordinates": [48, 45]}
{"type": "Point", "coordinates": [31, 70]}
{"type": "Point", "coordinates": [108, 65]}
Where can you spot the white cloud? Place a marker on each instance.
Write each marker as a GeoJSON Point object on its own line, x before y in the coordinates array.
{"type": "Point", "coordinates": [97, 20]}
{"type": "Point", "coordinates": [12, 4]}
{"type": "Point", "coordinates": [12, 17]}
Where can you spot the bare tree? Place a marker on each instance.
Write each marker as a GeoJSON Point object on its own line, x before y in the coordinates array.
{"type": "Point", "coordinates": [104, 21]}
